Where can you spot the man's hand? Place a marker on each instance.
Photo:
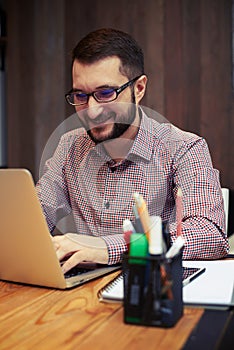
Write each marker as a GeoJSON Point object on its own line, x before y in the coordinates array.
{"type": "Point", "coordinates": [80, 248]}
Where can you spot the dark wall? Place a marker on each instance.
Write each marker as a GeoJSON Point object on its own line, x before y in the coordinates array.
{"type": "Point", "coordinates": [187, 45]}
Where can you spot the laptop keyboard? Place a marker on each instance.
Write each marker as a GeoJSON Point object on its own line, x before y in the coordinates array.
{"type": "Point", "coordinates": [84, 267]}
{"type": "Point", "coordinates": [75, 271]}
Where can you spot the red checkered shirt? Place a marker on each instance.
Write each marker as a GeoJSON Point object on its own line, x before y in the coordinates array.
{"type": "Point", "coordinates": [82, 179]}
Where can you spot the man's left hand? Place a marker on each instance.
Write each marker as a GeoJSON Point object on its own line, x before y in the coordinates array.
{"type": "Point", "coordinates": [79, 248]}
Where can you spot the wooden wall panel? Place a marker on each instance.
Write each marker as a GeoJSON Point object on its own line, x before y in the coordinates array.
{"type": "Point", "coordinates": [198, 91]}
{"type": "Point", "coordinates": [35, 78]}
{"type": "Point", "coordinates": [142, 20]}
{"type": "Point", "coordinates": [187, 47]}
{"type": "Point", "coordinates": [216, 94]}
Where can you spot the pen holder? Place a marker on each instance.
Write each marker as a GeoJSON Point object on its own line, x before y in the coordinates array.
{"type": "Point", "coordinates": [152, 290]}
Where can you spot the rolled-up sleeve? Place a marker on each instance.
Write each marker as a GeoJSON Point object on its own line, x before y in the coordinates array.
{"type": "Point", "coordinates": [203, 225]}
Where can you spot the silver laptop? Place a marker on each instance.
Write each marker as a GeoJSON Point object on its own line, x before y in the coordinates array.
{"type": "Point", "coordinates": [27, 254]}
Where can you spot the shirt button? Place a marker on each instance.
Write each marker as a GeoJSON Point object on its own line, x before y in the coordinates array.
{"type": "Point", "coordinates": [107, 205]}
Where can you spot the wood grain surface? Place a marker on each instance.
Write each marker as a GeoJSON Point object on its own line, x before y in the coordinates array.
{"type": "Point", "coordinates": [40, 318]}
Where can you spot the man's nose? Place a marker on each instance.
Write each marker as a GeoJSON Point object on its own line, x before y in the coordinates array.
{"type": "Point", "coordinates": [94, 108]}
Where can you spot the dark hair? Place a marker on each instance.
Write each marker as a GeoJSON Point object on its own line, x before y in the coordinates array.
{"type": "Point", "coordinates": [107, 42]}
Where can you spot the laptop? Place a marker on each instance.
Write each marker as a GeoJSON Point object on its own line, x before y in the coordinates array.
{"type": "Point", "coordinates": [27, 254]}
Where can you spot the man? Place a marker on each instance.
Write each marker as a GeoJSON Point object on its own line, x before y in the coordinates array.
{"type": "Point", "coordinates": [96, 169]}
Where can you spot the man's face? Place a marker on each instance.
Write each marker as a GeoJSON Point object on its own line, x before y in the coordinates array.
{"type": "Point", "coordinates": [104, 121]}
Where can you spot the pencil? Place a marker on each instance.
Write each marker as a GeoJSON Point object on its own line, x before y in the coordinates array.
{"type": "Point", "coordinates": [179, 211]}
{"type": "Point", "coordinates": [143, 213]}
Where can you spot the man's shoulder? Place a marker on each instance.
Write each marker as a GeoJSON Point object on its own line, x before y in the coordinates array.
{"type": "Point", "coordinates": [78, 135]}
{"type": "Point", "coordinates": [74, 134]}
{"type": "Point", "coordinates": [168, 132]}
{"type": "Point", "coordinates": [75, 140]}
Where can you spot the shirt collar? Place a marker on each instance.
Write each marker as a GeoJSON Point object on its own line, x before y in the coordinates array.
{"type": "Point", "coordinates": [143, 144]}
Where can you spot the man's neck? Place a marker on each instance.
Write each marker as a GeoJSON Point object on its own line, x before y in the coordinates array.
{"type": "Point", "coordinates": [118, 148]}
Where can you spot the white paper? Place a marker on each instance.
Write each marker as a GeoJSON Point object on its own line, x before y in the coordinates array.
{"type": "Point", "coordinates": [214, 287]}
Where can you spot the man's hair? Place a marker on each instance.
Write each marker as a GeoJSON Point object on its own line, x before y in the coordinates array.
{"type": "Point", "coordinates": [107, 42]}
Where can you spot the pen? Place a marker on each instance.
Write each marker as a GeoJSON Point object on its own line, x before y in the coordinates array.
{"type": "Point", "coordinates": [190, 279]}
{"type": "Point", "coordinates": [142, 212]}
{"type": "Point", "coordinates": [166, 235]}
{"type": "Point", "coordinates": [138, 224]}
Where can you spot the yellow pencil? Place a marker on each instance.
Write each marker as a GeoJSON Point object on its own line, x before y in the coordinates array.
{"type": "Point", "coordinates": [143, 213]}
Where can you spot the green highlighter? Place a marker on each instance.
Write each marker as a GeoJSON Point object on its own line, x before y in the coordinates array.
{"type": "Point", "coordinates": [138, 248]}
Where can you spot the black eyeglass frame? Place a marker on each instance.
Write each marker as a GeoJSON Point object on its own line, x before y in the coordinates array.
{"type": "Point", "coordinates": [117, 91]}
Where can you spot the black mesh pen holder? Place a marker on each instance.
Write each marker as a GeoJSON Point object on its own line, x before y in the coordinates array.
{"type": "Point", "coordinates": [152, 290]}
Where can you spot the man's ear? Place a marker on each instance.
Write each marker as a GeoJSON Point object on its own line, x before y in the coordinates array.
{"type": "Point", "coordinates": [139, 88]}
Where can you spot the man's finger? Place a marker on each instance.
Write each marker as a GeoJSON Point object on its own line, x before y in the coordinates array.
{"type": "Point", "coordinates": [74, 260]}
{"type": "Point", "coordinates": [56, 245]}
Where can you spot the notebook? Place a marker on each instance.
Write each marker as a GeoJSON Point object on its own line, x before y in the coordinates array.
{"type": "Point", "coordinates": [27, 254]}
{"type": "Point", "coordinates": [213, 289]}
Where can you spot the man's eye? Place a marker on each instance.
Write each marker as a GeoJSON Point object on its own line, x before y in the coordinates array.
{"type": "Point", "coordinates": [79, 96]}
{"type": "Point", "coordinates": [105, 94]}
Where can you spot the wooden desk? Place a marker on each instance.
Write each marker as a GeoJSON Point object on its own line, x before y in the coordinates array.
{"type": "Point", "coordinates": [40, 318]}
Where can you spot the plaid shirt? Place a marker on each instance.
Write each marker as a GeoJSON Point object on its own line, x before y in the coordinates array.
{"type": "Point", "coordinates": [83, 180]}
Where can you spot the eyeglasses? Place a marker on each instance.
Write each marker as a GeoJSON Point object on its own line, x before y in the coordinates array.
{"type": "Point", "coordinates": [105, 95]}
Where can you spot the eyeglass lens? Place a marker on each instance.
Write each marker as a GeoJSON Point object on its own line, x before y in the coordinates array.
{"type": "Point", "coordinates": [103, 95]}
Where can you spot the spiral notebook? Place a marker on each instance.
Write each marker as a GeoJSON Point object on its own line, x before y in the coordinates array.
{"type": "Point", "coordinates": [114, 290]}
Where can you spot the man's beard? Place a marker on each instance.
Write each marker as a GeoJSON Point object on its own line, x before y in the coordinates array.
{"type": "Point", "coordinates": [119, 128]}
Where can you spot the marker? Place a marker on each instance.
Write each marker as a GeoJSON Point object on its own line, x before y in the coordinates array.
{"type": "Point", "coordinates": [156, 236]}
{"type": "Point", "coordinates": [176, 247]}
{"type": "Point", "coordinates": [138, 248]}
{"type": "Point", "coordinates": [128, 230]}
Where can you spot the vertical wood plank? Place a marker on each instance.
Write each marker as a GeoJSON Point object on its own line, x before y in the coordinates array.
{"type": "Point", "coordinates": [35, 74]}
{"type": "Point", "coordinates": [191, 65]}
{"type": "Point", "coordinates": [49, 72]}
{"type": "Point", "coordinates": [174, 72]}
{"type": "Point", "coordinates": [20, 58]}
